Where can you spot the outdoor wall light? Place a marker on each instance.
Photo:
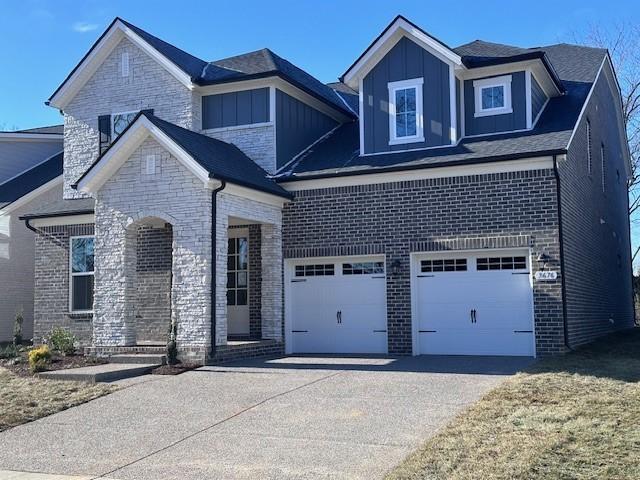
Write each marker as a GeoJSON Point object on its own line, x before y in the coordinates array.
{"type": "Point", "coordinates": [543, 257]}
{"type": "Point", "coordinates": [396, 267]}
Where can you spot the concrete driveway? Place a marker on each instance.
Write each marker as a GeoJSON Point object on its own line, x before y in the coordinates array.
{"type": "Point", "coordinates": [294, 417]}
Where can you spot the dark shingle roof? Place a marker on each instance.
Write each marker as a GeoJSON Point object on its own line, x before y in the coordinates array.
{"type": "Point", "coordinates": [223, 161]}
{"type": "Point", "coordinates": [576, 67]}
{"type": "Point", "coordinates": [263, 63]}
{"type": "Point", "coordinates": [31, 179]}
{"type": "Point", "coordinates": [191, 65]}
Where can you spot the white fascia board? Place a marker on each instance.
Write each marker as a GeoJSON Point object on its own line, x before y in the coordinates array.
{"type": "Point", "coordinates": [130, 141]}
{"type": "Point", "coordinates": [536, 66]}
{"type": "Point", "coordinates": [30, 137]}
{"type": "Point", "coordinates": [64, 220]}
{"type": "Point", "coordinates": [400, 28]}
{"type": "Point", "coordinates": [254, 195]}
{"type": "Point", "coordinates": [32, 195]}
{"type": "Point", "coordinates": [100, 52]}
{"type": "Point", "coordinates": [526, 164]}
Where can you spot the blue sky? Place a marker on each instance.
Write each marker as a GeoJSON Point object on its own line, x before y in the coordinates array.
{"type": "Point", "coordinates": [43, 40]}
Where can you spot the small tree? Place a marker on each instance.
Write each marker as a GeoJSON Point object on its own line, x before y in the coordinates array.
{"type": "Point", "coordinates": [17, 328]}
{"type": "Point", "coordinates": [172, 346]}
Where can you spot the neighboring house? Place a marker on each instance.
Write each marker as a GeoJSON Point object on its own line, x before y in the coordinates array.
{"type": "Point", "coordinates": [30, 179]}
{"type": "Point", "coordinates": [436, 200]}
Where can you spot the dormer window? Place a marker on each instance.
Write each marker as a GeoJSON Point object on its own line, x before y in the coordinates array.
{"type": "Point", "coordinates": [493, 96]}
{"type": "Point", "coordinates": [405, 111]}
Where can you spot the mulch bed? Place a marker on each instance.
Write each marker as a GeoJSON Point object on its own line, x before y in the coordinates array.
{"type": "Point", "coordinates": [20, 364]}
{"type": "Point", "coordinates": [174, 369]}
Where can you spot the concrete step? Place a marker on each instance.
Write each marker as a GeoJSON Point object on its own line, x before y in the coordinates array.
{"type": "Point", "coordinates": [148, 358]}
{"type": "Point", "coordinates": [107, 372]}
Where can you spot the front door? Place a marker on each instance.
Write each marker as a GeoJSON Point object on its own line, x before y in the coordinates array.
{"type": "Point", "coordinates": [238, 282]}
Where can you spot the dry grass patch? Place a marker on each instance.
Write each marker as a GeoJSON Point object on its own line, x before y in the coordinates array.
{"type": "Point", "coordinates": [570, 417]}
{"type": "Point", "coordinates": [24, 399]}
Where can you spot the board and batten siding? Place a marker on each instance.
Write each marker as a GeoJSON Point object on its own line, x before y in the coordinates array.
{"type": "Point", "coordinates": [235, 108]}
{"type": "Point", "coordinates": [517, 120]}
{"type": "Point", "coordinates": [407, 60]}
{"type": "Point", "coordinates": [297, 126]}
{"type": "Point", "coordinates": [538, 98]}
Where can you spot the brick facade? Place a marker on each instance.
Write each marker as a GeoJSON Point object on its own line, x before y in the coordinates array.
{"type": "Point", "coordinates": [597, 253]}
{"type": "Point", "coordinates": [153, 283]}
{"type": "Point", "coordinates": [51, 300]}
{"type": "Point", "coordinates": [479, 211]}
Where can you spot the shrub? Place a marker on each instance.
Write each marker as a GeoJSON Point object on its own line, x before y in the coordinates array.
{"type": "Point", "coordinates": [39, 358]}
{"type": "Point", "coordinates": [10, 351]}
{"type": "Point", "coordinates": [17, 329]}
{"type": "Point", "coordinates": [62, 341]}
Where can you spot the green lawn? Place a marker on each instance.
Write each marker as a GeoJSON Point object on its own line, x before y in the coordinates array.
{"type": "Point", "coordinates": [571, 417]}
{"type": "Point", "coordinates": [24, 399]}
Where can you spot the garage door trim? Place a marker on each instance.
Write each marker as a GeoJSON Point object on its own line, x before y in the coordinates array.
{"type": "Point", "coordinates": [415, 258]}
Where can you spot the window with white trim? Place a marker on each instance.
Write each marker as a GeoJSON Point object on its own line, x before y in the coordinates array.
{"type": "Point", "coordinates": [120, 121]}
{"type": "Point", "coordinates": [81, 258]}
{"type": "Point", "coordinates": [492, 96]}
{"type": "Point", "coordinates": [444, 265]}
{"type": "Point", "coordinates": [362, 268]}
{"type": "Point", "coordinates": [319, 270]}
{"type": "Point", "coordinates": [405, 111]}
{"type": "Point", "coordinates": [501, 263]}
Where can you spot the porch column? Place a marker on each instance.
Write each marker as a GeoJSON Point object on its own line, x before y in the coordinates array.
{"type": "Point", "coordinates": [272, 281]}
{"type": "Point", "coordinates": [222, 235]}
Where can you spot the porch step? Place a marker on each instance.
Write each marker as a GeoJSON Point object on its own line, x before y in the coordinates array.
{"type": "Point", "coordinates": [147, 358]}
{"type": "Point", "coordinates": [107, 372]}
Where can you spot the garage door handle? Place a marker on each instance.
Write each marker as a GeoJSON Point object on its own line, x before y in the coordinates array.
{"type": "Point", "coordinates": [339, 316]}
{"type": "Point", "coordinates": [473, 315]}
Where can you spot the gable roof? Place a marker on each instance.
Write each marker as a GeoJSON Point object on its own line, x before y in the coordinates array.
{"type": "Point", "coordinates": [51, 129]}
{"type": "Point", "coordinates": [193, 71]}
{"type": "Point", "coordinates": [398, 27]}
{"type": "Point", "coordinates": [577, 68]}
{"type": "Point", "coordinates": [214, 159]}
{"type": "Point", "coordinates": [31, 179]}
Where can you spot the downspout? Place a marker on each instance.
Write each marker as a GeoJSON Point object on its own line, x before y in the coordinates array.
{"type": "Point", "coordinates": [214, 196]}
{"type": "Point", "coordinates": [27, 223]}
{"type": "Point", "coordinates": [561, 240]}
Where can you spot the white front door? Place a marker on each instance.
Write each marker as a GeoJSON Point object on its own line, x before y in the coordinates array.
{"type": "Point", "coordinates": [338, 305]}
{"type": "Point", "coordinates": [238, 282]}
{"type": "Point", "coordinates": [478, 303]}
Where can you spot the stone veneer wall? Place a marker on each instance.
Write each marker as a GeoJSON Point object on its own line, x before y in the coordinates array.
{"type": "Point", "coordinates": [172, 194]}
{"type": "Point", "coordinates": [258, 143]}
{"type": "Point", "coordinates": [153, 283]}
{"type": "Point", "coordinates": [148, 86]}
{"type": "Point", "coordinates": [516, 209]}
{"type": "Point", "coordinates": [51, 300]}
{"type": "Point", "coordinates": [271, 258]}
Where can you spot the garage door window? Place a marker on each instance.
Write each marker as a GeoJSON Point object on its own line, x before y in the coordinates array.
{"type": "Point", "coordinates": [444, 265]}
{"type": "Point", "coordinates": [501, 263]}
{"type": "Point", "coordinates": [319, 270]}
{"type": "Point", "coordinates": [362, 268]}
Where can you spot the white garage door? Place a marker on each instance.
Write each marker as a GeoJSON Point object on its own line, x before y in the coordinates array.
{"type": "Point", "coordinates": [338, 306]}
{"type": "Point", "coordinates": [474, 303]}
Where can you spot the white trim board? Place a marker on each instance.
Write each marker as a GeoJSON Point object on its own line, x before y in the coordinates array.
{"type": "Point", "coordinates": [31, 137]}
{"type": "Point", "coordinates": [32, 195]}
{"type": "Point", "coordinates": [99, 52]}
{"type": "Point", "coordinates": [534, 163]}
{"type": "Point", "coordinates": [398, 29]}
{"type": "Point", "coordinates": [87, 218]}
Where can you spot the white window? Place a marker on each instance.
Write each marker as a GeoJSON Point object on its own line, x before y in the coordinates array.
{"type": "Point", "coordinates": [492, 96]}
{"type": "Point", "coordinates": [125, 64]}
{"type": "Point", "coordinates": [405, 111]}
{"type": "Point", "coordinates": [120, 121]}
{"type": "Point", "coordinates": [81, 271]}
